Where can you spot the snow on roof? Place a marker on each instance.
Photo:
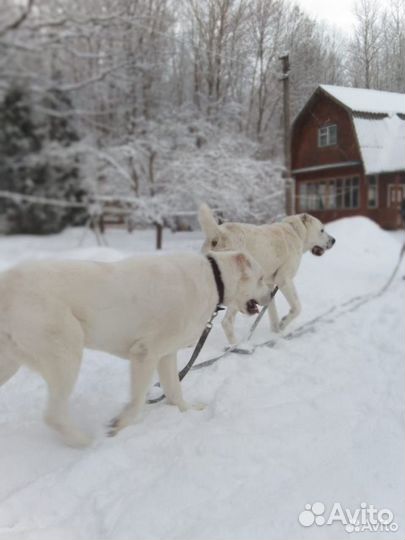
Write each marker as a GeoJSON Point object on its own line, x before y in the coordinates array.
{"type": "Point", "coordinates": [381, 140]}
{"type": "Point", "coordinates": [367, 101]}
{"type": "Point", "coordinates": [382, 143]}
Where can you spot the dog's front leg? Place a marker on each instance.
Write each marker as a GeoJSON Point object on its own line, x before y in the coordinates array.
{"type": "Point", "coordinates": [273, 316]}
{"type": "Point", "coordinates": [228, 325]}
{"type": "Point", "coordinates": [169, 379]}
{"type": "Point", "coordinates": [291, 296]}
{"type": "Point", "coordinates": [142, 366]}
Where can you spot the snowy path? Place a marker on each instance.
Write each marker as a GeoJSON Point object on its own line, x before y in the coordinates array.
{"type": "Point", "coordinates": [317, 418]}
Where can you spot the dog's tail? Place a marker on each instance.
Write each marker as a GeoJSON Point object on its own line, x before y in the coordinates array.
{"type": "Point", "coordinates": [207, 221]}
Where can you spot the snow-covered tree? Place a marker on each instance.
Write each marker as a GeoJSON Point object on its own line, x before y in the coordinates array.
{"type": "Point", "coordinates": [36, 158]}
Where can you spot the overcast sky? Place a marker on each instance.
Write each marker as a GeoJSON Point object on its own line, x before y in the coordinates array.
{"type": "Point", "coordinates": [339, 13]}
{"type": "Point", "coordinates": [336, 12]}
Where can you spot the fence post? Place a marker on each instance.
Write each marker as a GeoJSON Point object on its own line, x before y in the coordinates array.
{"type": "Point", "coordinates": [159, 235]}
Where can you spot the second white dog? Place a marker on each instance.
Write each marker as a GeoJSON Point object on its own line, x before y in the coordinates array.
{"type": "Point", "coordinates": [278, 248]}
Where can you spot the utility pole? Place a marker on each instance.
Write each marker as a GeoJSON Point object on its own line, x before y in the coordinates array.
{"type": "Point", "coordinates": [285, 78]}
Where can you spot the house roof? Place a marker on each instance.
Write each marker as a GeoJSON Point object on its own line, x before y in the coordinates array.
{"type": "Point", "coordinates": [366, 100]}
{"type": "Point", "coordinates": [379, 123]}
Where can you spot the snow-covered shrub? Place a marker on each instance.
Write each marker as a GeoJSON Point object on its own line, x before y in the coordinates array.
{"type": "Point", "coordinates": [173, 165]}
{"type": "Point", "coordinates": [209, 164]}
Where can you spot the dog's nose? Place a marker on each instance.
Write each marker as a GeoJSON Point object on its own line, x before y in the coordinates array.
{"type": "Point", "coordinates": [333, 241]}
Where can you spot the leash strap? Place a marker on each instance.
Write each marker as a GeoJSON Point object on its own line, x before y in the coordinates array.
{"type": "Point", "coordinates": [196, 352]}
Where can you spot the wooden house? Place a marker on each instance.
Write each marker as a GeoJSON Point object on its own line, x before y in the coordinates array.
{"type": "Point", "coordinates": [348, 154]}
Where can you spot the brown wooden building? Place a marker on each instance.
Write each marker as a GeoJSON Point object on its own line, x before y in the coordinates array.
{"type": "Point", "coordinates": [348, 154]}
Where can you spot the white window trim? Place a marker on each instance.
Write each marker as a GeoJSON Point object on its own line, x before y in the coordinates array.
{"type": "Point", "coordinates": [398, 188]}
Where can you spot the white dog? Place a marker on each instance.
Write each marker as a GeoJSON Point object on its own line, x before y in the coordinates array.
{"type": "Point", "coordinates": [142, 309]}
{"type": "Point", "coordinates": [278, 248]}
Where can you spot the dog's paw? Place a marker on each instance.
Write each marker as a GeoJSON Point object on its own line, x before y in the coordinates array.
{"type": "Point", "coordinates": [113, 427]}
{"type": "Point", "coordinates": [77, 439]}
{"type": "Point", "coordinates": [184, 406]}
{"type": "Point", "coordinates": [284, 323]}
{"type": "Point", "coordinates": [199, 406]}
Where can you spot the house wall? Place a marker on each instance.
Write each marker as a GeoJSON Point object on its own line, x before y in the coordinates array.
{"type": "Point", "coordinates": [322, 112]}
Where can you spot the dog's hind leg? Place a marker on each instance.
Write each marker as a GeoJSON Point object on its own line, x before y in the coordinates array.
{"type": "Point", "coordinates": [60, 378]}
{"type": "Point", "coordinates": [53, 344]}
{"type": "Point", "coordinates": [291, 296]}
{"type": "Point", "coordinates": [228, 325]}
{"type": "Point", "coordinates": [143, 365]}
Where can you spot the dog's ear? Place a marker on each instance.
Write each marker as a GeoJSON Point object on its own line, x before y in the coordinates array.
{"type": "Point", "coordinates": [207, 221]}
{"type": "Point", "coordinates": [243, 263]}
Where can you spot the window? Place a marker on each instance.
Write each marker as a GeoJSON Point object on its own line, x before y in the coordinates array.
{"type": "Point", "coordinates": [347, 193]}
{"type": "Point", "coordinates": [317, 195]}
{"type": "Point", "coordinates": [311, 196]}
{"type": "Point", "coordinates": [327, 135]}
{"type": "Point", "coordinates": [372, 192]}
{"type": "Point", "coordinates": [350, 192]}
{"type": "Point", "coordinates": [302, 201]}
{"type": "Point", "coordinates": [321, 196]}
{"type": "Point", "coordinates": [331, 195]}
{"type": "Point", "coordinates": [340, 193]}
{"type": "Point", "coordinates": [355, 192]}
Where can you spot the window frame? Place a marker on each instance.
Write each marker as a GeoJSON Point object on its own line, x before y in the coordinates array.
{"type": "Point", "coordinates": [325, 132]}
{"type": "Point", "coordinates": [375, 186]}
{"type": "Point", "coordinates": [329, 194]}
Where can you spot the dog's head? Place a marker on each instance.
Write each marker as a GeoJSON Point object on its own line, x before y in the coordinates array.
{"type": "Point", "coordinates": [316, 239]}
{"type": "Point", "coordinates": [245, 286]}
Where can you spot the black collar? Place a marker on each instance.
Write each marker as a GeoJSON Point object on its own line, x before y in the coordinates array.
{"type": "Point", "coordinates": [218, 278]}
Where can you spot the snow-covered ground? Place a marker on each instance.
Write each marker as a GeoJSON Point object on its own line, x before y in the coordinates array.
{"type": "Point", "coordinates": [318, 418]}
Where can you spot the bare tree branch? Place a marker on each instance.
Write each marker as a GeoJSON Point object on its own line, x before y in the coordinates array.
{"type": "Point", "coordinates": [18, 22]}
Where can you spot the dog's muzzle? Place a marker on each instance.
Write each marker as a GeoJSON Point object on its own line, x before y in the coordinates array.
{"type": "Point", "coordinates": [317, 250]}
{"type": "Point", "coordinates": [252, 307]}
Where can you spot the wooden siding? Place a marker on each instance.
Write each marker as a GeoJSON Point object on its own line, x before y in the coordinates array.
{"type": "Point", "coordinates": [322, 112]}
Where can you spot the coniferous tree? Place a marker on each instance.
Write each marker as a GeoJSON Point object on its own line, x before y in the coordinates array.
{"type": "Point", "coordinates": [35, 160]}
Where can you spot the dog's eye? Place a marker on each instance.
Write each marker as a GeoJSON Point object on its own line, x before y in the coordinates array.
{"type": "Point", "coordinates": [214, 243]}
{"type": "Point", "coordinates": [322, 230]}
